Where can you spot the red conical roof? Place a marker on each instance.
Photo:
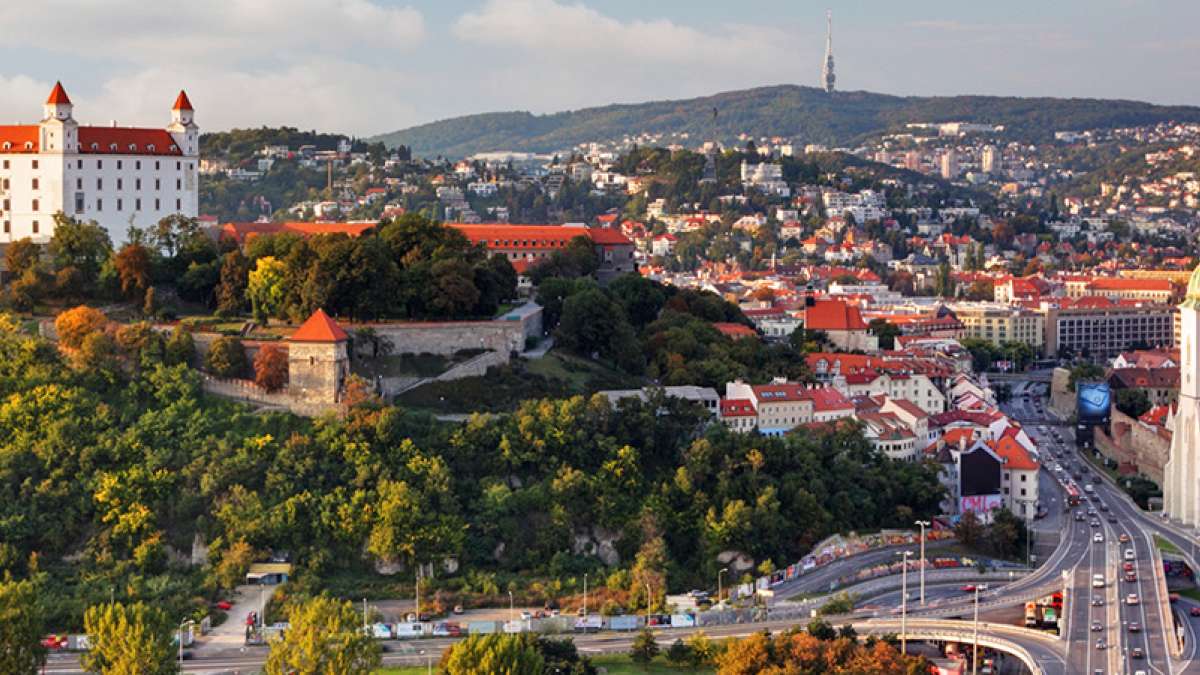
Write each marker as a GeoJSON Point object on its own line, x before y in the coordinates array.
{"type": "Point", "coordinates": [319, 328]}
{"type": "Point", "coordinates": [58, 96]}
{"type": "Point", "coordinates": [182, 102]}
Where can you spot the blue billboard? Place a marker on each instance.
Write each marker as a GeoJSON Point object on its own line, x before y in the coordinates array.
{"type": "Point", "coordinates": [1092, 402]}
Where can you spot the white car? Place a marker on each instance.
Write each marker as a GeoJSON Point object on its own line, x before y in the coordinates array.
{"type": "Point", "coordinates": [1097, 537]}
{"type": "Point", "coordinates": [1132, 599]}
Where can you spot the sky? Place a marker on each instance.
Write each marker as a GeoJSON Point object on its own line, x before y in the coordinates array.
{"type": "Point", "coordinates": [371, 66]}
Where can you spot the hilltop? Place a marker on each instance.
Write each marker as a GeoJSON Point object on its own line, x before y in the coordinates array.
{"type": "Point", "coordinates": [805, 114]}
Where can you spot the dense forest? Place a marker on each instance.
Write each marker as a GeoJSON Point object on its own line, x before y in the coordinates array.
{"type": "Point", "coordinates": [806, 114]}
{"type": "Point", "coordinates": [113, 464]}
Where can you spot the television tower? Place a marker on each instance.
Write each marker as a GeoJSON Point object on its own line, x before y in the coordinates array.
{"type": "Point", "coordinates": [827, 76]}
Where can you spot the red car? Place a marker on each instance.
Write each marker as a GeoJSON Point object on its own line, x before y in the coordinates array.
{"type": "Point", "coordinates": [1195, 611]}
{"type": "Point", "coordinates": [54, 642]}
{"type": "Point", "coordinates": [969, 588]}
{"type": "Point", "coordinates": [224, 605]}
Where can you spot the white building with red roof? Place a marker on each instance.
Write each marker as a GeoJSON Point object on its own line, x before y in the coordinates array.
{"type": "Point", "coordinates": [842, 322]}
{"type": "Point", "coordinates": [114, 175]}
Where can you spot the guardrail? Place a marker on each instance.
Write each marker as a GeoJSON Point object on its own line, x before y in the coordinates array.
{"type": "Point", "coordinates": [931, 630]}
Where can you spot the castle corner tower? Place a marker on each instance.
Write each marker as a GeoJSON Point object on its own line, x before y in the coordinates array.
{"type": "Point", "coordinates": [318, 360]}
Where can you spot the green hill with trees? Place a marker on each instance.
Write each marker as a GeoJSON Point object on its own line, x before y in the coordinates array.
{"type": "Point", "coordinates": [805, 114]}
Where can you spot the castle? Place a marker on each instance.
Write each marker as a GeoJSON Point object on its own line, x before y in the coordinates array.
{"type": "Point", "coordinates": [116, 176]}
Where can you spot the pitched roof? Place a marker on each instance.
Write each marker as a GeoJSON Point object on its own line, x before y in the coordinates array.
{"type": "Point", "coordinates": [536, 236]}
{"type": "Point", "coordinates": [58, 95]}
{"type": "Point", "coordinates": [737, 407]}
{"type": "Point", "coordinates": [734, 330]}
{"type": "Point", "coordinates": [1015, 456]}
{"type": "Point", "coordinates": [19, 138]}
{"type": "Point", "coordinates": [182, 102]}
{"type": "Point", "coordinates": [319, 328]}
{"type": "Point", "coordinates": [126, 141]}
{"type": "Point", "coordinates": [833, 315]}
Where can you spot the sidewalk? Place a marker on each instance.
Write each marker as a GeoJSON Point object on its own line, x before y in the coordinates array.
{"type": "Point", "coordinates": [231, 634]}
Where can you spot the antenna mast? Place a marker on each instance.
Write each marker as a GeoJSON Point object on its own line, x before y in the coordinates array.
{"type": "Point", "coordinates": [827, 77]}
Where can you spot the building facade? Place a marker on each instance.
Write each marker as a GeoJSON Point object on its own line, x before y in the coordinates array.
{"type": "Point", "coordinates": [1181, 485]}
{"type": "Point", "coordinates": [116, 176]}
{"type": "Point", "coordinates": [999, 323]}
{"type": "Point", "coordinates": [1100, 328]}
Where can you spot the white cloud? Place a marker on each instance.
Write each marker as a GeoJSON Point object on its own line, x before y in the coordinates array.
{"type": "Point", "coordinates": [217, 30]}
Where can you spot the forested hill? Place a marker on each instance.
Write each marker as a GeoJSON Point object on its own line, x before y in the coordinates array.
{"type": "Point", "coordinates": [805, 114]}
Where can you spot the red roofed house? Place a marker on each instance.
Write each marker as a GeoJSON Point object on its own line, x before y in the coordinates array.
{"type": "Point", "coordinates": [781, 406]}
{"type": "Point", "coordinates": [244, 232]}
{"type": "Point", "coordinates": [1018, 478]}
{"type": "Point", "coordinates": [318, 360]}
{"type": "Point", "coordinates": [734, 331]}
{"type": "Point", "coordinates": [842, 323]}
{"type": "Point", "coordinates": [113, 175]}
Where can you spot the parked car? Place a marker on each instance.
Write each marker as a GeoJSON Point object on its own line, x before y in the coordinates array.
{"type": "Point", "coordinates": [224, 605]}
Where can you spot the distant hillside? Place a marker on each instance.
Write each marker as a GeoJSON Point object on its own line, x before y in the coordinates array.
{"type": "Point", "coordinates": [806, 114]}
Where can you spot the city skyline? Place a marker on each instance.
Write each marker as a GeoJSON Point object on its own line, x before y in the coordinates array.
{"type": "Point", "coordinates": [372, 66]}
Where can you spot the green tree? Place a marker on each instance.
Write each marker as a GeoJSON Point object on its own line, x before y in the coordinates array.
{"type": "Point", "coordinates": [127, 639]}
{"type": "Point", "coordinates": [266, 288]}
{"type": "Point", "coordinates": [324, 637]}
{"type": "Point", "coordinates": [493, 655]}
{"type": "Point", "coordinates": [1133, 402]}
{"type": "Point", "coordinates": [226, 357]}
{"type": "Point", "coordinates": [180, 347]}
{"type": "Point", "coordinates": [83, 246]}
{"type": "Point", "coordinates": [593, 324]}
{"type": "Point", "coordinates": [644, 647]}
{"type": "Point", "coordinates": [21, 256]}
{"type": "Point", "coordinates": [1084, 372]}
{"type": "Point", "coordinates": [231, 289]}
{"type": "Point", "coordinates": [885, 331]}
{"type": "Point", "coordinates": [22, 625]}
{"type": "Point", "coordinates": [679, 653]}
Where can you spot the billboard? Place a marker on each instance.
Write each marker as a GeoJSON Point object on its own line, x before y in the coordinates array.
{"type": "Point", "coordinates": [1092, 402]}
{"type": "Point", "coordinates": [980, 505]}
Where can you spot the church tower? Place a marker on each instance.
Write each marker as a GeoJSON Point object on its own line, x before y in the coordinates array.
{"type": "Point", "coordinates": [183, 126]}
{"type": "Point", "coordinates": [1181, 489]}
{"type": "Point", "coordinates": [58, 132]}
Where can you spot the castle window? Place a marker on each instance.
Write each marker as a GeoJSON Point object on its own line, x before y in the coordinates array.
{"type": "Point", "coordinates": [99, 162]}
{"type": "Point", "coordinates": [149, 148]}
{"type": "Point", "coordinates": [138, 164]}
{"type": "Point", "coordinates": [112, 147]}
{"type": "Point", "coordinates": [29, 146]}
{"type": "Point", "coordinates": [157, 184]}
{"type": "Point", "coordinates": [119, 161]}
{"type": "Point", "coordinates": [178, 205]}
{"type": "Point", "coordinates": [79, 165]}
{"type": "Point", "coordinates": [7, 227]}
{"type": "Point", "coordinates": [7, 146]}
{"type": "Point", "coordinates": [120, 183]}
{"type": "Point", "coordinates": [156, 165]}
{"type": "Point", "coordinates": [157, 206]}
{"type": "Point", "coordinates": [137, 183]}
{"type": "Point", "coordinates": [99, 204]}
{"type": "Point", "coordinates": [6, 163]}
{"type": "Point", "coordinates": [35, 183]}
{"type": "Point", "coordinates": [96, 146]}
{"type": "Point", "coordinates": [132, 148]}
{"type": "Point", "coordinates": [99, 183]}
{"type": "Point", "coordinates": [178, 166]}
{"type": "Point", "coordinates": [178, 184]}
{"type": "Point", "coordinates": [35, 205]}
{"type": "Point", "coordinates": [312, 360]}
{"type": "Point", "coordinates": [35, 227]}
{"type": "Point", "coordinates": [137, 204]}
{"type": "Point", "coordinates": [35, 164]}
{"type": "Point", "coordinates": [78, 183]}
{"type": "Point", "coordinates": [5, 183]}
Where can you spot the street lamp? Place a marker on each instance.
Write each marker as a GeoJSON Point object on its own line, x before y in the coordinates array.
{"type": "Point", "coordinates": [648, 601]}
{"type": "Point", "coordinates": [720, 602]}
{"type": "Point", "coordinates": [904, 602]}
{"type": "Point", "coordinates": [417, 594]}
{"type": "Point", "coordinates": [185, 622]}
{"type": "Point", "coordinates": [510, 607]}
{"type": "Point", "coordinates": [923, 524]}
{"type": "Point", "coordinates": [585, 593]}
{"type": "Point", "coordinates": [975, 649]}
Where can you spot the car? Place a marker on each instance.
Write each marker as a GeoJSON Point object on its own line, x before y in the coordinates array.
{"type": "Point", "coordinates": [458, 609]}
{"type": "Point", "coordinates": [1173, 598]}
{"type": "Point", "coordinates": [1098, 601]}
{"type": "Point", "coordinates": [1097, 538]}
{"type": "Point", "coordinates": [1095, 523]}
{"type": "Point", "coordinates": [525, 616]}
{"type": "Point", "coordinates": [1097, 626]}
{"type": "Point", "coordinates": [1127, 567]}
{"type": "Point", "coordinates": [1134, 627]}
{"type": "Point", "coordinates": [969, 588]}
{"type": "Point", "coordinates": [1078, 516]}
{"type": "Point", "coordinates": [1131, 576]}
{"type": "Point", "coordinates": [1195, 611]}
{"type": "Point", "coordinates": [1112, 518]}
{"type": "Point", "coordinates": [224, 605]}
{"type": "Point", "coordinates": [1091, 511]}
{"type": "Point", "coordinates": [1124, 538]}
{"type": "Point", "coordinates": [1137, 653]}
{"type": "Point", "coordinates": [1103, 506]}
{"type": "Point", "coordinates": [1101, 644]}
{"type": "Point", "coordinates": [1131, 599]}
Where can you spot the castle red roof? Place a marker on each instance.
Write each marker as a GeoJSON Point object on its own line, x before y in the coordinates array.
{"type": "Point", "coordinates": [58, 96]}
{"type": "Point", "coordinates": [13, 138]}
{"type": "Point", "coordinates": [126, 141]}
{"type": "Point", "coordinates": [319, 328]}
{"type": "Point", "coordinates": [182, 102]}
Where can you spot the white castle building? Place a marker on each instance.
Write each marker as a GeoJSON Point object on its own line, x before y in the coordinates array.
{"type": "Point", "coordinates": [114, 175]}
{"type": "Point", "coordinates": [1181, 474]}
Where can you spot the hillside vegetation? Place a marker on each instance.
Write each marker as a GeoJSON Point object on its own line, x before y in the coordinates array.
{"type": "Point", "coordinates": [804, 113]}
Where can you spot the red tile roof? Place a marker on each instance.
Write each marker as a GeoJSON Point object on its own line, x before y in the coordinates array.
{"type": "Point", "coordinates": [243, 232]}
{"type": "Point", "coordinates": [19, 138]}
{"type": "Point", "coordinates": [126, 141]}
{"type": "Point", "coordinates": [1015, 456]}
{"type": "Point", "coordinates": [319, 328]}
{"type": "Point", "coordinates": [182, 102]}
{"type": "Point", "coordinates": [827, 398]}
{"type": "Point", "coordinates": [536, 236]}
{"type": "Point", "coordinates": [737, 407]}
{"type": "Point", "coordinates": [58, 95]}
{"type": "Point", "coordinates": [1119, 284]}
{"type": "Point", "coordinates": [833, 315]}
{"type": "Point", "coordinates": [734, 330]}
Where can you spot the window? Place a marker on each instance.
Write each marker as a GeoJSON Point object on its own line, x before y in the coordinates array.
{"type": "Point", "coordinates": [178, 184]}
{"type": "Point", "coordinates": [6, 163]}
{"type": "Point", "coordinates": [78, 202]}
{"type": "Point", "coordinates": [157, 206]}
{"type": "Point", "coordinates": [99, 162]}
{"type": "Point", "coordinates": [78, 183]}
{"type": "Point", "coordinates": [35, 205]}
{"type": "Point", "coordinates": [7, 205]}
{"type": "Point", "coordinates": [178, 205]}
{"type": "Point", "coordinates": [119, 161]}
{"type": "Point", "coordinates": [35, 164]}
{"type": "Point", "coordinates": [137, 183]}
{"type": "Point", "coordinates": [119, 203]}
{"type": "Point", "coordinates": [157, 184]}
{"type": "Point", "coordinates": [5, 183]}
{"type": "Point", "coordinates": [99, 183]}
{"type": "Point", "coordinates": [138, 165]}
{"type": "Point", "coordinates": [156, 167]}
{"type": "Point", "coordinates": [35, 227]}
{"type": "Point", "coordinates": [79, 164]}
{"type": "Point", "coordinates": [178, 166]}
{"type": "Point", "coordinates": [137, 204]}
{"type": "Point", "coordinates": [99, 204]}
{"type": "Point", "coordinates": [7, 227]}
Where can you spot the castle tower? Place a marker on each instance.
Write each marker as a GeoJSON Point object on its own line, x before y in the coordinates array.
{"type": "Point", "coordinates": [1181, 474]}
{"type": "Point", "coordinates": [318, 360]}
{"type": "Point", "coordinates": [827, 77]}
{"type": "Point", "coordinates": [183, 126]}
{"type": "Point", "coordinates": [58, 131]}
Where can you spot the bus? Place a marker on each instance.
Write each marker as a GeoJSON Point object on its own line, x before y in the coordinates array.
{"type": "Point", "coordinates": [1073, 497]}
{"type": "Point", "coordinates": [1031, 614]}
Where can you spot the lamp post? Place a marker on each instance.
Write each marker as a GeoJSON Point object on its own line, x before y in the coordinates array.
{"type": "Point", "coordinates": [975, 650]}
{"type": "Point", "coordinates": [585, 593]}
{"type": "Point", "coordinates": [720, 602]}
{"type": "Point", "coordinates": [923, 524]}
{"type": "Point", "coordinates": [510, 607]}
{"type": "Point", "coordinates": [904, 602]}
{"type": "Point", "coordinates": [417, 594]}
{"type": "Point", "coordinates": [648, 601]}
{"type": "Point", "coordinates": [185, 622]}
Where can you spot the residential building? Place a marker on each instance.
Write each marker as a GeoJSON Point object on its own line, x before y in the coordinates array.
{"type": "Point", "coordinates": [999, 323]}
{"type": "Point", "coordinates": [1100, 329]}
{"type": "Point", "coordinates": [842, 323]}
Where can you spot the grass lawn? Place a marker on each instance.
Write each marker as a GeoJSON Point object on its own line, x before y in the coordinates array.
{"type": "Point", "coordinates": [1166, 546]}
{"type": "Point", "coordinates": [615, 664]}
